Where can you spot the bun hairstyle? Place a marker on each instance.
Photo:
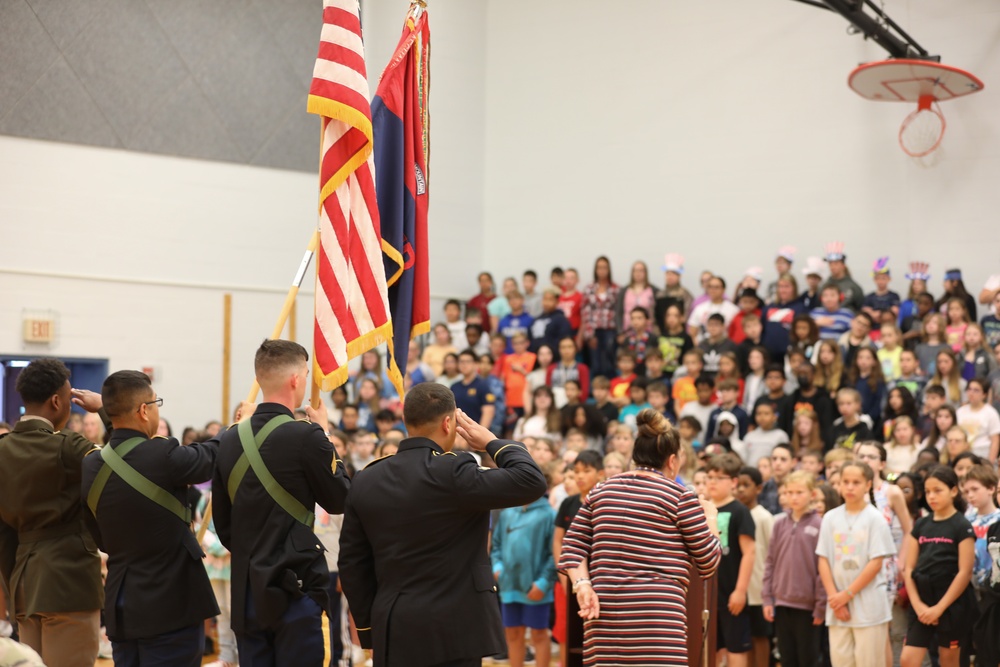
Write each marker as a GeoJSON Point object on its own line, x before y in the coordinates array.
{"type": "Point", "coordinates": [656, 440]}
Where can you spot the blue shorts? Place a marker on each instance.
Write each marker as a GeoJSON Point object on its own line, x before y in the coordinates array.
{"type": "Point", "coordinates": [518, 615]}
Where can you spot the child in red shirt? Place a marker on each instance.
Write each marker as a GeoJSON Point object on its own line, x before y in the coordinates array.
{"type": "Point", "coordinates": [571, 301]}
{"type": "Point", "coordinates": [626, 373]}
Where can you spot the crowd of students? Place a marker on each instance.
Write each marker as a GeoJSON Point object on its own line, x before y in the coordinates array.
{"type": "Point", "coordinates": [841, 434]}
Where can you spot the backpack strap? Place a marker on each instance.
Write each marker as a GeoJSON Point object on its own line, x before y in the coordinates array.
{"type": "Point", "coordinates": [251, 458]}
{"type": "Point", "coordinates": [114, 462]}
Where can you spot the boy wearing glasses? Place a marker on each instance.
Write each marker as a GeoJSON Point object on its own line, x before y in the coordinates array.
{"type": "Point", "coordinates": [736, 535]}
{"type": "Point", "coordinates": [135, 497]}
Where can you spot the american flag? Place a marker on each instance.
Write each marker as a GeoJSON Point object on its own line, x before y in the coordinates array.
{"type": "Point", "coordinates": [352, 307]}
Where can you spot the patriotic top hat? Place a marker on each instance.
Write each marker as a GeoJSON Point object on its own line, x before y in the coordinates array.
{"type": "Point", "coordinates": [919, 271]}
{"type": "Point", "coordinates": [835, 252]}
{"type": "Point", "coordinates": [787, 252]}
{"type": "Point", "coordinates": [813, 267]}
{"type": "Point", "coordinates": [673, 262]}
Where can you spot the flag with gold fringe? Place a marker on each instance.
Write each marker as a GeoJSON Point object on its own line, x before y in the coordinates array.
{"type": "Point", "coordinates": [402, 150]}
{"type": "Point", "coordinates": [352, 307]}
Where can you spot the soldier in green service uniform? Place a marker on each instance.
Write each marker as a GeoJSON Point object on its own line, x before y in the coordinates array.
{"type": "Point", "coordinates": [48, 560]}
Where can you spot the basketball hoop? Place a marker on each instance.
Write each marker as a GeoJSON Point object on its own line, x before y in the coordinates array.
{"type": "Point", "coordinates": [921, 81]}
{"type": "Point", "coordinates": [922, 131]}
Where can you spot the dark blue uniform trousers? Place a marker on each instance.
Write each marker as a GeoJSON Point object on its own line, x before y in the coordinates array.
{"type": "Point", "coordinates": [180, 648]}
{"type": "Point", "coordinates": [298, 640]}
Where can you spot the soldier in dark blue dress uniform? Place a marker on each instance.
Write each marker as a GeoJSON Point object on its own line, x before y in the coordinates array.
{"type": "Point", "coordinates": [271, 472]}
{"type": "Point", "coordinates": [413, 549]}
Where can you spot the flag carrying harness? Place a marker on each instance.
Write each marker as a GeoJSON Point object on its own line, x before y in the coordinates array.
{"type": "Point", "coordinates": [114, 461]}
{"type": "Point", "coordinates": [251, 459]}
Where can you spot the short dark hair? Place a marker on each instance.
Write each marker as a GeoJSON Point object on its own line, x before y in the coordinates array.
{"type": "Point", "coordinates": [124, 390]}
{"type": "Point", "coordinates": [625, 352]}
{"type": "Point", "coordinates": [572, 381]}
{"type": "Point", "coordinates": [556, 271]}
{"type": "Point", "coordinates": [453, 302]}
{"type": "Point", "coordinates": [639, 309]}
{"type": "Point", "coordinates": [531, 273]}
{"type": "Point", "coordinates": [728, 464]}
{"type": "Point", "coordinates": [935, 389]}
{"type": "Point", "coordinates": [831, 286]}
{"type": "Point", "coordinates": [468, 352]}
{"type": "Point", "coordinates": [753, 474]}
{"type": "Point", "coordinates": [787, 447]}
{"type": "Point", "coordinates": [658, 388]}
{"type": "Point", "coordinates": [590, 458]}
{"type": "Point", "coordinates": [427, 402]}
{"type": "Point", "coordinates": [275, 354]}
{"type": "Point", "coordinates": [474, 327]}
{"type": "Point", "coordinates": [704, 380]}
{"type": "Point", "coordinates": [690, 422]}
{"type": "Point", "coordinates": [40, 380]}
{"type": "Point", "coordinates": [715, 317]}
{"type": "Point", "coordinates": [774, 368]}
{"type": "Point", "coordinates": [385, 416]}
{"type": "Point", "coordinates": [349, 406]}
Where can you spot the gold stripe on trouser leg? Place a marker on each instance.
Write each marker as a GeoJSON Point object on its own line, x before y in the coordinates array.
{"type": "Point", "coordinates": [325, 628]}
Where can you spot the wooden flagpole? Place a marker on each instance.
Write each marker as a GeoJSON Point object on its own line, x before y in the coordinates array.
{"type": "Point", "coordinates": [279, 327]}
{"type": "Point", "coordinates": [227, 345]}
{"type": "Point", "coordinates": [293, 292]}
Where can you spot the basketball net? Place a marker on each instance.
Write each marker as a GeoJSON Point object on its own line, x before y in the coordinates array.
{"type": "Point", "coordinates": [922, 131]}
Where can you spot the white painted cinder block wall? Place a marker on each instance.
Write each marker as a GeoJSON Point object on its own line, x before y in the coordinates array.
{"type": "Point", "coordinates": [560, 130]}
{"type": "Point", "coordinates": [724, 130]}
{"type": "Point", "coordinates": [134, 252]}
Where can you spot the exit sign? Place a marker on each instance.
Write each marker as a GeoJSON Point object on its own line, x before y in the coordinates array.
{"type": "Point", "coordinates": [39, 330]}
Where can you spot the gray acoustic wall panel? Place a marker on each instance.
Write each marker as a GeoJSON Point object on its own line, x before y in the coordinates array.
{"type": "Point", "coordinates": [210, 79]}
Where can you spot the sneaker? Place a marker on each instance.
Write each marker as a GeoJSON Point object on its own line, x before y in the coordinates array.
{"type": "Point", "coordinates": [104, 646]}
{"type": "Point", "coordinates": [6, 629]}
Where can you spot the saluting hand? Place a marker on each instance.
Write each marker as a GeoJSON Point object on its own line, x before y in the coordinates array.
{"type": "Point", "coordinates": [88, 400]}
{"type": "Point", "coordinates": [477, 435]}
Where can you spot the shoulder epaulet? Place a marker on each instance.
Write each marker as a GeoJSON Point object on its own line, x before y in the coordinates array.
{"type": "Point", "coordinates": [445, 454]}
{"type": "Point", "coordinates": [94, 450]}
{"type": "Point", "coordinates": [232, 426]}
{"type": "Point", "coordinates": [381, 458]}
{"type": "Point", "coordinates": [161, 437]}
{"type": "Point", "coordinates": [304, 419]}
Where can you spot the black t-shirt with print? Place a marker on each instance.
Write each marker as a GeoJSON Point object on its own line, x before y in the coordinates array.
{"type": "Point", "coordinates": [734, 520]}
{"type": "Point", "coordinates": [567, 511]}
{"type": "Point", "coordinates": [938, 541]}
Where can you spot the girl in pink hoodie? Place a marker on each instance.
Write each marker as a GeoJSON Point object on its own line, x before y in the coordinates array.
{"type": "Point", "coordinates": [795, 600]}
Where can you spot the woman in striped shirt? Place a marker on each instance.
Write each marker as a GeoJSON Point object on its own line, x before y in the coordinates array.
{"type": "Point", "coordinates": [628, 551]}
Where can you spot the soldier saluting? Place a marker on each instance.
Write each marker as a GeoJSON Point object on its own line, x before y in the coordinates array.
{"type": "Point", "coordinates": [413, 557]}
{"type": "Point", "coordinates": [47, 559]}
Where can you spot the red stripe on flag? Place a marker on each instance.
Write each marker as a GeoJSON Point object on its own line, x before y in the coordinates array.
{"type": "Point", "coordinates": [346, 147]}
{"type": "Point", "coordinates": [342, 18]}
{"type": "Point", "coordinates": [342, 56]}
{"type": "Point", "coordinates": [324, 355]}
{"type": "Point", "coordinates": [342, 94]}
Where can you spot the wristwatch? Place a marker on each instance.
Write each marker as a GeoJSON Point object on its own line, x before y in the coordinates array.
{"type": "Point", "coordinates": [581, 582]}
